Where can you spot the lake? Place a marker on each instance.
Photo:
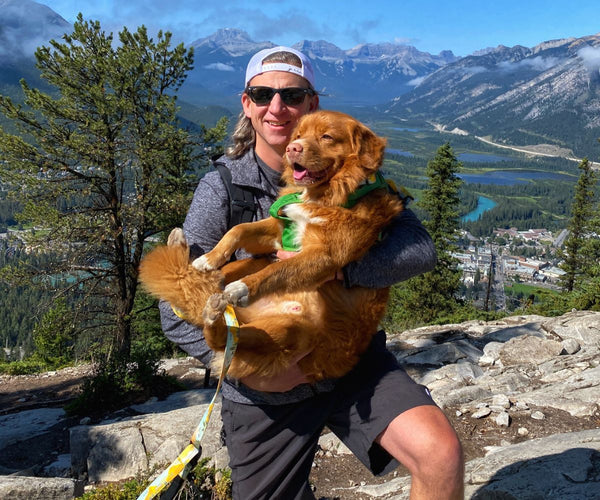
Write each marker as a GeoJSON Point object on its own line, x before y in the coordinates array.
{"type": "Point", "coordinates": [483, 204]}
{"type": "Point", "coordinates": [511, 177]}
{"type": "Point", "coordinates": [398, 152]}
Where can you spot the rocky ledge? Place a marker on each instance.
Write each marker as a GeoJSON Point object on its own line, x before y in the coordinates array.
{"type": "Point", "coordinates": [509, 374]}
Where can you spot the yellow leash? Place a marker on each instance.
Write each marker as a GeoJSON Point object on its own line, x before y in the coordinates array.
{"type": "Point", "coordinates": [183, 463]}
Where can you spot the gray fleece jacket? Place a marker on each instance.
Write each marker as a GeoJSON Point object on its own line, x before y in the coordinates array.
{"type": "Point", "coordinates": [407, 250]}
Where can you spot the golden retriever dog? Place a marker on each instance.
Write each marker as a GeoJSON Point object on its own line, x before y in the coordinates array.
{"type": "Point", "coordinates": [286, 308]}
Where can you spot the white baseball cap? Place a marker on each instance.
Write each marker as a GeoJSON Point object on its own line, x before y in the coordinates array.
{"type": "Point", "coordinates": [257, 67]}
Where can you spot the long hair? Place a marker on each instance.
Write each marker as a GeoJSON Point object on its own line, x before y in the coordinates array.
{"type": "Point", "coordinates": [243, 136]}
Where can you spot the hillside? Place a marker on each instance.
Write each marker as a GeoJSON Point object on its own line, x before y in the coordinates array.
{"type": "Point", "coordinates": [520, 96]}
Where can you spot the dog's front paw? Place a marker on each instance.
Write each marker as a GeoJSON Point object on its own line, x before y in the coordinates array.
{"type": "Point", "coordinates": [214, 308]}
{"type": "Point", "coordinates": [176, 237]}
{"type": "Point", "coordinates": [203, 264]}
{"type": "Point", "coordinates": [236, 293]}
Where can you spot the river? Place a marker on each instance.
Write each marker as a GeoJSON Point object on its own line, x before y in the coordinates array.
{"type": "Point", "coordinates": [483, 204]}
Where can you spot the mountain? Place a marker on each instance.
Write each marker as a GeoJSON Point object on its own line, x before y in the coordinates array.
{"type": "Point", "coordinates": [348, 77]}
{"type": "Point", "coordinates": [546, 94]}
{"type": "Point", "coordinates": [24, 25]}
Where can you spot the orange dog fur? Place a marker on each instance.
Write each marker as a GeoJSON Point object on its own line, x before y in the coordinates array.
{"type": "Point", "coordinates": [289, 307]}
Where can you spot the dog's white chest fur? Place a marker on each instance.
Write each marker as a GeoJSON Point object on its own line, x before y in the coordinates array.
{"type": "Point", "coordinates": [302, 218]}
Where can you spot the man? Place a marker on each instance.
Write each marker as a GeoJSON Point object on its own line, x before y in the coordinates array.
{"type": "Point", "coordinates": [272, 426]}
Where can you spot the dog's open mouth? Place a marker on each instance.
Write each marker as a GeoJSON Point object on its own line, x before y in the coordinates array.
{"type": "Point", "coordinates": [304, 176]}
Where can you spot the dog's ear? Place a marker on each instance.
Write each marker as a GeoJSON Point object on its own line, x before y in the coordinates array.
{"type": "Point", "coordinates": [368, 147]}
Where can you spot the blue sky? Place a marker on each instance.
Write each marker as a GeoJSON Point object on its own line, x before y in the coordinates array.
{"type": "Point", "coordinates": [462, 26]}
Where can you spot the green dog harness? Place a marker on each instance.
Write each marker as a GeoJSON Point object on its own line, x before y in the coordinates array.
{"type": "Point", "coordinates": [288, 236]}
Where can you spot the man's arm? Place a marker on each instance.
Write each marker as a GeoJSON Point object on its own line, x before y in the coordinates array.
{"type": "Point", "coordinates": [204, 225]}
{"type": "Point", "coordinates": [406, 251]}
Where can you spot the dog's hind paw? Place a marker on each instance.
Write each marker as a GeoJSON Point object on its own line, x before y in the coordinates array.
{"type": "Point", "coordinates": [201, 264]}
{"type": "Point", "coordinates": [214, 308]}
{"type": "Point", "coordinates": [236, 293]}
{"type": "Point", "coordinates": [176, 237]}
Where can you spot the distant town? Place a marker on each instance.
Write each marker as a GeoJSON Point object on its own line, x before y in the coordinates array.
{"type": "Point", "coordinates": [509, 256]}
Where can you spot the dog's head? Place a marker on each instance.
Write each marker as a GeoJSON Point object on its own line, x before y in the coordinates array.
{"type": "Point", "coordinates": [331, 154]}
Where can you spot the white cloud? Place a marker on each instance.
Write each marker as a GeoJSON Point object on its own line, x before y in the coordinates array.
{"type": "Point", "coordinates": [417, 81]}
{"type": "Point", "coordinates": [474, 70]}
{"type": "Point", "coordinates": [220, 67]}
{"type": "Point", "coordinates": [590, 57]}
{"type": "Point", "coordinates": [537, 63]}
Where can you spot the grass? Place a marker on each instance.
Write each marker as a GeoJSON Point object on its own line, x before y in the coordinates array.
{"type": "Point", "coordinates": [526, 290]}
{"type": "Point", "coordinates": [204, 482]}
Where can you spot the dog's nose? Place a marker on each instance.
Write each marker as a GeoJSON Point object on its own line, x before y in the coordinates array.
{"type": "Point", "coordinates": [293, 150]}
{"type": "Point", "coordinates": [294, 147]}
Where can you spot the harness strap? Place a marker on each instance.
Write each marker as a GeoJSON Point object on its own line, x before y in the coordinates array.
{"type": "Point", "coordinates": [288, 236]}
{"type": "Point", "coordinates": [375, 181]}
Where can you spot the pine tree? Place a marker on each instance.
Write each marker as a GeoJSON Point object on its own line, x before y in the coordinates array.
{"type": "Point", "coordinates": [433, 295]}
{"type": "Point", "coordinates": [574, 258]}
{"type": "Point", "coordinates": [100, 165]}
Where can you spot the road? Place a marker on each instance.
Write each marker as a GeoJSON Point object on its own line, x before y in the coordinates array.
{"type": "Point", "coordinates": [593, 165]}
{"type": "Point", "coordinates": [498, 284]}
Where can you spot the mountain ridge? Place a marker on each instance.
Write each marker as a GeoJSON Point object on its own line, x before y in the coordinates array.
{"type": "Point", "coordinates": [517, 94]}
{"type": "Point", "coordinates": [549, 93]}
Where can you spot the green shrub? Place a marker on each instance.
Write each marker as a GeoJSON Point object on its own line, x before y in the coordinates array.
{"type": "Point", "coordinates": [25, 367]}
{"type": "Point", "coordinates": [54, 336]}
{"type": "Point", "coordinates": [129, 490]}
{"type": "Point", "coordinates": [202, 483]}
{"type": "Point", "coordinates": [118, 382]}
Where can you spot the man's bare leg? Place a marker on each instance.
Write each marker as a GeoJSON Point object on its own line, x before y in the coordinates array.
{"type": "Point", "coordinates": [424, 441]}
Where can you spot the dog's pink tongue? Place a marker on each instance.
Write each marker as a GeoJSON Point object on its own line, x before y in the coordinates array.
{"type": "Point", "coordinates": [300, 174]}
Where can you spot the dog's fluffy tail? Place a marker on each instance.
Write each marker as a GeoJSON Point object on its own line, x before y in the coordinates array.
{"type": "Point", "coordinates": [167, 274]}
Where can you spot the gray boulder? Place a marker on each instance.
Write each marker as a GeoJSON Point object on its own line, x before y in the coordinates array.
{"type": "Point", "coordinates": [117, 450]}
{"type": "Point", "coordinates": [39, 488]}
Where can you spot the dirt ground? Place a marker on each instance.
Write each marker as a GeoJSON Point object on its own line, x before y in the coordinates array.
{"type": "Point", "coordinates": [330, 471]}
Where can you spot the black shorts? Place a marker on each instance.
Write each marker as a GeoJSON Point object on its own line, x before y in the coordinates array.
{"type": "Point", "coordinates": [271, 447]}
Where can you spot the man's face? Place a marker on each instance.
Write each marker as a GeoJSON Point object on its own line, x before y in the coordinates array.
{"type": "Point", "coordinates": [274, 122]}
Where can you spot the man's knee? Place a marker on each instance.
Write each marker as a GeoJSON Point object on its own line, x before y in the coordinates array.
{"type": "Point", "coordinates": [424, 441]}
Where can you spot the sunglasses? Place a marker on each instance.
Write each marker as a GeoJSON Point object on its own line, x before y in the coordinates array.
{"type": "Point", "coordinates": [291, 96]}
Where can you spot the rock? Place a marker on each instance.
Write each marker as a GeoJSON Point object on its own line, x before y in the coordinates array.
{"type": "Point", "coordinates": [570, 346]}
{"type": "Point", "coordinates": [460, 395]}
{"type": "Point", "coordinates": [529, 349]}
{"type": "Point", "coordinates": [559, 466]}
{"type": "Point", "coordinates": [39, 488]}
{"type": "Point", "coordinates": [538, 415]}
{"type": "Point", "coordinates": [448, 352]}
{"type": "Point", "coordinates": [583, 326]}
{"type": "Point", "coordinates": [522, 431]}
{"type": "Point", "coordinates": [501, 400]}
{"type": "Point", "coordinates": [463, 372]}
{"type": "Point", "coordinates": [521, 406]}
{"type": "Point", "coordinates": [119, 450]}
{"type": "Point", "coordinates": [330, 442]}
{"type": "Point", "coordinates": [503, 419]}
{"type": "Point", "coordinates": [17, 427]}
{"type": "Point", "coordinates": [61, 467]}
{"type": "Point", "coordinates": [491, 353]}
{"type": "Point", "coordinates": [481, 413]}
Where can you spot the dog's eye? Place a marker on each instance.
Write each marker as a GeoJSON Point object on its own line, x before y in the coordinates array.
{"type": "Point", "coordinates": [326, 137]}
